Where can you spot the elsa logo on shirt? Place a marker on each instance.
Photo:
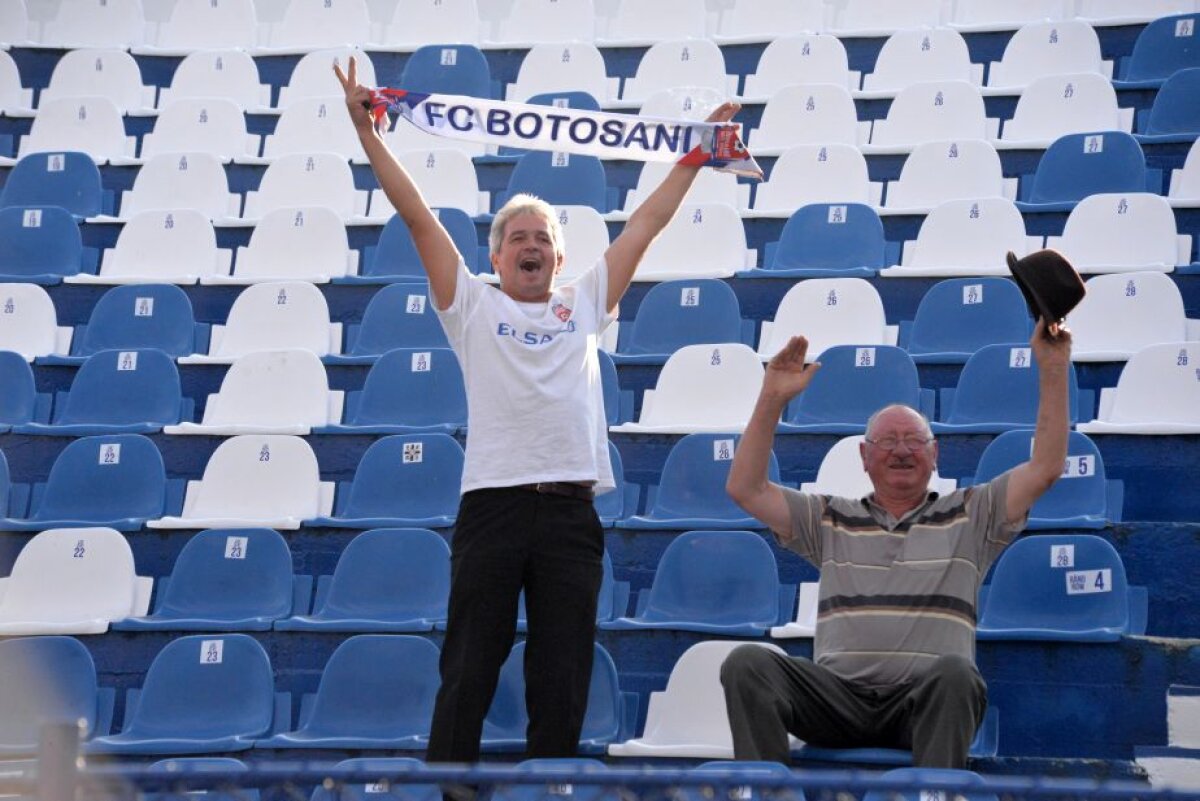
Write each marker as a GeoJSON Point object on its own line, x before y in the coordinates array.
{"type": "Point", "coordinates": [561, 312]}
{"type": "Point", "coordinates": [532, 337]}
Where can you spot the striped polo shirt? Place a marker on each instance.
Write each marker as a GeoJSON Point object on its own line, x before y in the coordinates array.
{"type": "Point", "coordinates": [897, 593]}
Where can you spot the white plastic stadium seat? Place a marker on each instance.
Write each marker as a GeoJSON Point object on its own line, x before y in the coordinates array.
{"type": "Point", "coordinates": [1055, 105]}
{"type": "Point", "coordinates": [816, 174]}
{"type": "Point", "coordinates": [635, 23]}
{"type": "Point", "coordinates": [231, 74]}
{"type": "Point", "coordinates": [307, 179]}
{"type": "Point", "coordinates": [841, 473]}
{"type": "Point", "coordinates": [678, 62]}
{"type": "Point", "coordinates": [562, 67]}
{"type": "Point", "coordinates": [807, 58]}
{"type": "Point", "coordinates": [703, 240]}
{"type": "Point", "coordinates": [313, 74]}
{"type": "Point", "coordinates": [313, 24]}
{"type": "Point", "coordinates": [805, 623]}
{"type": "Point", "coordinates": [213, 125]}
{"type": "Point", "coordinates": [313, 125]}
{"type": "Point", "coordinates": [1058, 47]}
{"type": "Point", "coordinates": [446, 178]}
{"type": "Point", "coordinates": [414, 25]}
{"type": "Point", "coordinates": [807, 114]}
{"type": "Point", "coordinates": [1006, 15]}
{"type": "Point", "coordinates": [96, 23]}
{"type": "Point", "coordinates": [965, 237]}
{"type": "Point", "coordinates": [938, 171]}
{"type": "Point", "coordinates": [710, 186]}
{"type": "Point", "coordinates": [1185, 182]}
{"type": "Point", "coordinates": [883, 17]}
{"type": "Point", "coordinates": [29, 323]}
{"type": "Point", "coordinates": [532, 22]}
{"type": "Point", "coordinates": [1157, 393]}
{"type": "Point", "coordinates": [1117, 232]}
{"type": "Point", "coordinates": [766, 20]}
{"type": "Point", "coordinates": [585, 238]}
{"type": "Point", "coordinates": [161, 246]}
{"type": "Point", "coordinates": [920, 55]}
{"type": "Point", "coordinates": [1124, 312]}
{"type": "Point", "coordinates": [828, 312]}
{"type": "Point", "coordinates": [293, 243]}
{"type": "Point", "coordinates": [932, 110]}
{"type": "Point", "coordinates": [92, 125]}
{"type": "Point", "coordinates": [182, 181]}
{"type": "Point", "coordinates": [205, 25]}
{"type": "Point", "coordinates": [100, 72]}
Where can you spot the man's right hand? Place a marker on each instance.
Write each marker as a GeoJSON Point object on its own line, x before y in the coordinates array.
{"type": "Point", "coordinates": [787, 375]}
{"type": "Point", "coordinates": [358, 97]}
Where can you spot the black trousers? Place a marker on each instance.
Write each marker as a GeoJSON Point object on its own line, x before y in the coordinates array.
{"type": "Point", "coordinates": [505, 540]}
{"type": "Point", "coordinates": [769, 695]}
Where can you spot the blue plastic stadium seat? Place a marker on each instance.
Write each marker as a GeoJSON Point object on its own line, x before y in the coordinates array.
{"type": "Point", "coordinates": [559, 782]}
{"type": "Point", "coordinates": [41, 245]}
{"type": "Point", "coordinates": [382, 789]}
{"type": "Point", "coordinates": [985, 744]}
{"type": "Point", "coordinates": [717, 582]}
{"type": "Point", "coordinates": [976, 407]}
{"type": "Point", "coordinates": [1163, 47]}
{"type": "Point", "coordinates": [70, 180]}
{"type": "Point", "coordinates": [402, 480]}
{"type": "Point", "coordinates": [673, 314]}
{"type": "Point", "coordinates": [394, 258]}
{"type": "Point", "coordinates": [828, 240]}
{"type": "Point", "coordinates": [48, 680]}
{"type": "Point", "coordinates": [1063, 587]}
{"type": "Point", "coordinates": [560, 179]}
{"type": "Point", "coordinates": [203, 694]}
{"type": "Point", "coordinates": [188, 770]}
{"type": "Point", "coordinates": [621, 502]}
{"type": "Point", "coordinates": [608, 719]}
{"type": "Point", "coordinates": [377, 692]}
{"type": "Point", "coordinates": [226, 580]}
{"type": "Point", "coordinates": [611, 602]}
{"type": "Point", "coordinates": [576, 100]}
{"type": "Point", "coordinates": [397, 316]}
{"type": "Point", "coordinates": [959, 316]}
{"type": "Point", "coordinates": [6, 488]}
{"type": "Point", "coordinates": [853, 383]}
{"type": "Point", "coordinates": [448, 69]}
{"type": "Point", "coordinates": [947, 780]}
{"type": "Point", "coordinates": [407, 391]}
{"type": "Point", "coordinates": [1081, 164]}
{"type": "Point", "coordinates": [691, 491]}
{"type": "Point", "coordinates": [618, 403]}
{"type": "Point", "coordinates": [155, 316]}
{"type": "Point", "coordinates": [115, 480]}
{"type": "Point", "coordinates": [1081, 498]}
{"type": "Point", "coordinates": [118, 392]}
{"type": "Point", "coordinates": [1175, 115]}
{"type": "Point", "coordinates": [757, 777]}
{"type": "Point", "coordinates": [388, 579]}
{"type": "Point", "coordinates": [20, 402]}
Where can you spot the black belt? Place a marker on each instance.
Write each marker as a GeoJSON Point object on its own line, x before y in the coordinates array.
{"type": "Point", "coordinates": [566, 489]}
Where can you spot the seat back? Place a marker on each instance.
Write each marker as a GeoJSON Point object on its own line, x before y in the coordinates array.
{"type": "Point", "coordinates": [807, 114]}
{"type": "Point", "coordinates": [97, 72]}
{"type": "Point", "coordinates": [961, 315]}
{"type": "Point", "coordinates": [1158, 385]}
{"type": "Point", "coordinates": [687, 312]}
{"type": "Point", "coordinates": [46, 680]}
{"type": "Point", "coordinates": [187, 234]}
{"type": "Point", "coordinates": [28, 320]}
{"type": "Point", "coordinates": [414, 476]}
{"type": "Point", "coordinates": [702, 238]}
{"type": "Point", "coordinates": [18, 394]}
{"type": "Point", "coordinates": [275, 316]}
{"type": "Point", "coordinates": [1128, 230]}
{"type": "Point", "coordinates": [1057, 104]}
{"type": "Point", "coordinates": [1082, 164]}
{"type": "Point", "coordinates": [854, 382]}
{"type": "Point", "coordinates": [377, 685]}
{"type": "Point", "coordinates": [205, 26]}
{"type": "Point", "coordinates": [272, 388]}
{"type": "Point", "coordinates": [206, 686]}
{"type": "Point", "coordinates": [116, 23]}
{"type": "Point", "coordinates": [140, 316]}
{"type": "Point", "coordinates": [412, 26]}
{"type": "Point", "coordinates": [726, 376]}
{"type": "Point", "coordinates": [110, 477]}
{"type": "Point", "coordinates": [446, 178]}
{"type": "Point", "coordinates": [399, 316]}
{"type": "Point", "coordinates": [1124, 312]}
{"type": "Point", "coordinates": [71, 575]}
{"type": "Point", "coordinates": [122, 387]}
{"type": "Point", "coordinates": [548, 21]}
{"type": "Point", "coordinates": [692, 477]}
{"type": "Point", "coordinates": [1174, 109]}
{"type": "Point", "coordinates": [227, 72]}
{"type": "Point", "coordinates": [306, 179]}
{"type": "Point", "coordinates": [662, 20]}
{"type": "Point", "coordinates": [448, 69]}
{"type": "Point", "coordinates": [69, 179]}
{"type": "Point", "coordinates": [314, 125]}
{"type": "Point", "coordinates": [672, 61]}
{"type": "Point", "coordinates": [585, 239]}
{"type": "Point", "coordinates": [92, 125]}
{"type": "Point", "coordinates": [391, 574]}
{"type": "Point", "coordinates": [414, 387]}
{"type": "Point", "coordinates": [842, 474]}
{"type": "Point", "coordinates": [1013, 367]}
{"type": "Point", "coordinates": [939, 171]}
{"type": "Point", "coordinates": [716, 578]}
{"type": "Point", "coordinates": [313, 74]}
{"type": "Point", "coordinates": [230, 574]}
{"type": "Point", "coordinates": [39, 240]}
{"type": "Point", "coordinates": [1058, 583]}
{"type": "Point", "coordinates": [1165, 46]}
{"type": "Point", "coordinates": [258, 476]}
{"type": "Point", "coordinates": [799, 58]}
{"type": "Point", "coordinates": [297, 241]}
{"type": "Point", "coordinates": [966, 236]}
{"type": "Point", "coordinates": [1079, 492]}
{"type": "Point", "coordinates": [559, 179]}
{"type": "Point", "coordinates": [194, 180]}
{"type": "Point", "coordinates": [1006, 14]}
{"type": "Point", "coordinates": [772, 18]}
{"type": "Point", "coordinates": [875, 15]}
{"type": "Point", "coordinates": [830, 236]}
{"type": "Point", "coordinates": [934, 109]}
{"type": "Point", "coordinates": [311, 24]}
{"type": "Point", "coordinates": [805, 174]}
{"type": "Point", "coordinates": [710, 186]}
{"type": "Point", "coordinates": [1047, 47]}
{"type": "Point", "coordinates": [558, 65]}
{"type": "Point", "coordinates": [214, 125]}
{"type": "Point", "coordinates": [14, 22]}
{"type": "Point", "coordinates": [507, 717]}
{"type": "Point", "coordinates": [396, 255]}
{"type": "Point", "coordinates": [828, 311]}
{"type": "Point", "coordinates": [917, 56]}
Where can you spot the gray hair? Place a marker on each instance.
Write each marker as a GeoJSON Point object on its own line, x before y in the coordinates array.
{"type": "Point", "coordinates": [873, 418]}
{"type": "Point", "coordinates": [525, 204]}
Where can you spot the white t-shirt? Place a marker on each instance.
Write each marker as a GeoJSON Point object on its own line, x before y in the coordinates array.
{"type": "Point", "coordinates": [534, 399]}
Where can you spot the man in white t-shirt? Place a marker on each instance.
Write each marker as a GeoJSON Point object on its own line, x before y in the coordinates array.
{"type": "Point", "coordinates": [537, 447]}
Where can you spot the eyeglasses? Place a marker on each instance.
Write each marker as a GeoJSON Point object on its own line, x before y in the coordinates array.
{"type": "Point", "coordinates": [913, 442]}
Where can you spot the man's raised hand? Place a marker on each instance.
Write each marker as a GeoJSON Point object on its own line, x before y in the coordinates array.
{"type": "Point", "coordinates": [787, 375]}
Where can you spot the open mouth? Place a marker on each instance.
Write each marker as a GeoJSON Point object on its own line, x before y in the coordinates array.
{"type": "Point", "coordinates": [530, 265]}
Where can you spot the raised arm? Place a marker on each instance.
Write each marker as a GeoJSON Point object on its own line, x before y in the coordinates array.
{"type": "Point", "coordinates": [438, 255]}
{"type": "Point", "coordinates": [1029, 480]}
{"type": "Point", "coordinates": [625, 253]}
{"type": "Point", "coordinates": [748, 485]}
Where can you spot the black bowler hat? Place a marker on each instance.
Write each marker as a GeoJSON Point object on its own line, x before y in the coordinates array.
{"type": "Point", "coordinates": [1050, 284]}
